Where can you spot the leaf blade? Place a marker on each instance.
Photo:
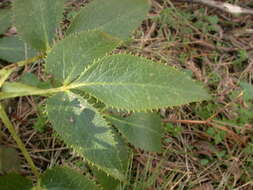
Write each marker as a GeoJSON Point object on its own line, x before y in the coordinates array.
{"type": "Point", "coordinates": [133, 83]}
{"type": "Point", "coordinates": [37, 20]}
{"type": "Point", "coordinates": [12, 49]}
{"type": "Point", "coordinates": [82, 128]}
{"type": "Point", "coordinates": [15, 182]}
{"type": "Point", "coordinates": [9, 160]}
{"type": "Point", "coordinates": [72, 55]}
{"type": "Point", "coordinates": [143, 130]}
{"type": "Point", "coordinates": [118, 18]}
{"type": "Point", "coordinates": [5, 20]}
{"type": "Point", "coordinates": [60, 178]}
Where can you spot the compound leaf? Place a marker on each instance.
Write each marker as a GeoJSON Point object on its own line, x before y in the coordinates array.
{"type": "Point", "coordinates": [118, 18]}
{"type": "Point", "coordinates": [5, 20]}
{"type": "Point", "coordinates": [12, 49]}
{"type": "Point", "coordinates": [85, 130]}
{"type": "Point", "coordinates": [14, 182]}
{"type": "Point", "coordinates": [134, 83]}
{"type": "Point", "coordinates": [37, 20]}
{"type": "Point", "coordinates": [65, 179]}
{"type": "Point", "coordinates": [143, 130]}
{"type": "Point", "coordinates": [70, 56]}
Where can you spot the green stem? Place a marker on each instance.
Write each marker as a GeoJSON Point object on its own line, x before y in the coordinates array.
{"type": "Point", "coordinates": [20, 144]}
{"type": "Point", "coordinates": [23, 63]}
{"type": "Point", "coordinates": [6, 71]}
{"type": "Point", "coordinates": [40, 92]}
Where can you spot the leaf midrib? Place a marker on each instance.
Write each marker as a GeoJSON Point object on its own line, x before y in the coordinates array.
{"type": "Point", "coordinates": [87, 84]}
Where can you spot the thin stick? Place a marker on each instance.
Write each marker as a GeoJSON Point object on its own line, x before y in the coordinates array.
{"type": "Point", "coordinates": [20, 144]}
{"type": "Point", "coordinates": [209, 123]}
{"type": "Point", "coordinates": [219, 111]}
{"type": "Point", "coordinates": [186, 121]}
{"type": "Point", "coordinates": [227, 7]}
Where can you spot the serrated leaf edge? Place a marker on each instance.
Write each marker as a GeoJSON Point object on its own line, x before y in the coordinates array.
{"type": "Point", "coordinates": [134, 110]}
{"type": "Point", "coordinates": [75, 150]}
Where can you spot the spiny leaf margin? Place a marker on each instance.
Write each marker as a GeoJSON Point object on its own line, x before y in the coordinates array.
{"type": "Point", "coordinates": [82, 128]}
{"type": "Point", "coordinates": [70, 57]}
{"type": "Point", "coordinates": [135, 83]}
{"type": "Point", "coordinates": [59, 178]}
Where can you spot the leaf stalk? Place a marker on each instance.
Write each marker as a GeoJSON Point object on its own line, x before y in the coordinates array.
{"type": "Point", "coordinates": [19, 142]}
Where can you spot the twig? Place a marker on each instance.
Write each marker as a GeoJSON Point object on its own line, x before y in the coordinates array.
{"type": "Point", "coordinates": [209, 122]}
{"type": "Point", "coordinates": [219, 111]}
{"type": "Point", "coordinates": [227, 7]}
{"type": "Point", "coordinates": [23, 63]}
{"type": "Point", "coordinates": [9, 69]}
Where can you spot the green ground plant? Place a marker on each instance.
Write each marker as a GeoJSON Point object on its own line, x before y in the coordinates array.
{"type": "Point", "coordinates": [83, 64]}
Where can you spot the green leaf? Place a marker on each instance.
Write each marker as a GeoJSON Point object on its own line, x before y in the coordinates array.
{"type": "Point", "coordinates": [32, 80]}
{"type": "Point", "coordinates": [118, 18]}
{"type": "Point", "coordinates": [134, 83]}
{"type": "Point", "coordinates": [5, 20]}
{"type": "Point", "coordinates": [14, 182]}
{"type": "Point", "coordinates": [13, 49]}
{"type": "Point", "coordinates": [37, 20]}
{"type": "Point", "coordinates": [247, 90]}
{"type": "Point", "coordinates": [9, 160]}
{"type": "Point", "coordinates": [143, 130]}
{"type": "Point", "coordinates": [72, 55]}
{"type": "Point", "coordinates": [66, 179]}
{"type": "Point", "coordinates": [106, 182]}
{"type": "Point", "coordinates": [85, 130]}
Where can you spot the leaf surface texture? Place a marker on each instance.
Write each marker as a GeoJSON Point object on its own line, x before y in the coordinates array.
{"type": "Point", "coordinates": [134, 83]}
{"type": "Point", "coordinates": [13, 49]}
{"type": "Point", "coordinates": [14, 182]}
{"type": "Point", "coordinates": [66, 179]}
{"type": "Point", "coordinates": [143, 130]}
{"type": "Point", "coordinates": [69, 58]}
{"type": "Point", "coordinates": [118, 18]}
{"type": "Point", "coordinates": [5, 20]}
{"type": "Point", "coordinates": [85, 130]}
{"type": "Point", "coordinates": [37, 20]}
